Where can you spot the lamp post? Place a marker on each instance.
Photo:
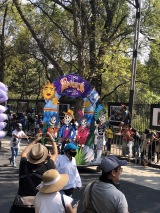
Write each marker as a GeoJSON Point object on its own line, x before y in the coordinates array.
{"type": "Point", "coordinates": [134, 58]}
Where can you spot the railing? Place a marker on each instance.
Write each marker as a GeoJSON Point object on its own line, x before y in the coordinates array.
{"type": "Point", "coordinates": [141, 151]}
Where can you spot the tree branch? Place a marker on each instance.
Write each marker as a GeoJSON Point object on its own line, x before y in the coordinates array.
{"type": "Point", "coordinates": [40, 45]}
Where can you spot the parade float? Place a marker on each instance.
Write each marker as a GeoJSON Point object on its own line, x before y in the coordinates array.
{"type": "Point", "coordinates": [74, 86]}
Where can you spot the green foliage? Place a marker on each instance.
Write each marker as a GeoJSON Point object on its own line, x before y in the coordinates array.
{"type": "Point", "coordinates": [80, 157]}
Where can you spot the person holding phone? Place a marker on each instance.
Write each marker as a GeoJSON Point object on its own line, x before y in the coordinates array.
{"type": "Point", "coordinates": [35, 160]}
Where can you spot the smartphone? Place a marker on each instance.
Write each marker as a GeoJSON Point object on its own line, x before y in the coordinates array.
{"type": "Point", "coordinates": [74, 202]}
{"type": "Point", "coordinates": [44, 135]}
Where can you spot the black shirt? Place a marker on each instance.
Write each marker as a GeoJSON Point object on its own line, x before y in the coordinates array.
{"type": "Point", "coordinates": [28, 181]}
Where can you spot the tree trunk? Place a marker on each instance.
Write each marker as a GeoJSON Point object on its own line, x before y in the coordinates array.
{"type": "Point", "coordinates": [2, 59]}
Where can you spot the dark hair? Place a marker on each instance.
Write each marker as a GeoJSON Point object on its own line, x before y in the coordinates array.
{"type": "Point", "coordinates": [146, 131]}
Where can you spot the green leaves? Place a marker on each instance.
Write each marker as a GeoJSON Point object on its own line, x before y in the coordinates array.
{"type": "Point", "coordinates": [80, 157]}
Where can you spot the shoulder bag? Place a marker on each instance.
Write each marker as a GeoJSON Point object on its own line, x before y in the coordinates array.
{"type": "Point", "coordinates": [90, 208]}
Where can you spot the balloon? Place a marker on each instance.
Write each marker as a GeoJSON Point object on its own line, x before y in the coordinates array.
{"type": "Point", "coordinates": [2, 125]}
{"type": "Point", "coordinates": [3, 87]}
{"type": "Point", "coordinates": [2, 134]}
{"type": "Point", "coordinates": [2, 109]}
{"type": "Point", "coordinates": [3, 96]}
{"type": "Point", "coordinates": [3, 117]}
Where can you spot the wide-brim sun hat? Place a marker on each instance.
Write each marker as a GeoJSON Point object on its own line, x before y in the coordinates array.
{"type": "Point", "coordinates": [111, 162]}
{"type": "Point", "coordinates": [37, 154]}
{"type": "Point", "coordinates": [52, 181]}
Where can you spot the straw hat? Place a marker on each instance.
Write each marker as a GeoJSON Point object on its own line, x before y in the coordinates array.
{"type": "Point", "coordinates": [69, 113]}
{"type": "Point", "coordinates": [37, 153]}
{"type": "Point", "coordinates": [52, 181]}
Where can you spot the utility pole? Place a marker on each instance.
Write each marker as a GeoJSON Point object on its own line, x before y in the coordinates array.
{"type": "Point", "coordinates": [134, 59]}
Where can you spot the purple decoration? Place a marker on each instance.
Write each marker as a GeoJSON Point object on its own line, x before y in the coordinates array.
{"type": "Point", "coordinates": [2, 134]}
{"type": "Point", "coordinates": [3, 117]}
{"type": "Point", "coordinates": [3, 96]}
{"type": "Point", "coordinates": [72, 85]}
{"type": "Point", "coordinates": [3, 87]}
{"type": "Point", "coordinates": [2, 125]}
{"type": "Point", "coordinates": [2, 109]}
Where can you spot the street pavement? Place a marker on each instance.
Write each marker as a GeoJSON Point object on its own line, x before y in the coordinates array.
{"type": "Point", "coordinates": [139, 184]}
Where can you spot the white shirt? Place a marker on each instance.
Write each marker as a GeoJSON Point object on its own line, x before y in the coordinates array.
{"type": "Point", "coordinates": [51, 203]}
{"type": "Point", "coordinates": [20, 134]}
{"type": "Point", "coordinates": [65, 166]}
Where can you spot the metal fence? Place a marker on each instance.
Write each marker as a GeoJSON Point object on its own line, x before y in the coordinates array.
{"type": "Point", "coordinates": [142, 151]}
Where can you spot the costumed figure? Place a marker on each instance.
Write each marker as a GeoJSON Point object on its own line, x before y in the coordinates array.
{"type": "Point", "coordinates": [82, 133]}
{"type": "Point", "coordinates": [53, 127]}
{"type": "Point", "coordinates": [100, 134]}
{"type": "Point", "coordinates": [89, 107]}
{"type": "Point", "coordinates": [51, 107]}
{"type": "Point", "coordinates": [67, 132]}
{"type": "Point", "coordinates": [3, 116]}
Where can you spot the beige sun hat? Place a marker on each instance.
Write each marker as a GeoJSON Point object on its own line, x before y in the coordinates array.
{"type": "Point", "coordinates": [52, 181]}
{"type": "Point", "coordinates": [70, 113]}
{"type": "Point", "coordinates": [37, 153]}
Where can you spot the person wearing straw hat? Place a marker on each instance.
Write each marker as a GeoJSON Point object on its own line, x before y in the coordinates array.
{"type": "Point", "coordinates": [67, 133]}
{"type": "Point", "coordinates": [33, 164]}
{"type": "Point", "coordinates": [66, 164]}
{"type": "Point", "coordinates": [103, 195]}
{"type": "Point", "coordinates": [49, 199]}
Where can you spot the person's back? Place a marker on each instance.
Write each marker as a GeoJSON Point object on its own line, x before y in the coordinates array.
{"type": "Point", "coordinates": [103, 195]}
{"type": "Point", "coordinates": [107, 198]}
{"type": "Point", "coordinates": [49, 199]}
{"type": "Point", "coordinates": [51, 202]}
{"type": "Point", "coordinates": [33, 164]}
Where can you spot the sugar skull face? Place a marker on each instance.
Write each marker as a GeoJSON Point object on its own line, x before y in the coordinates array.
{"type": "Point", "coordinates": [52, 121]}
{"type": "Point", "coordinates": [67, 119]}
{"type": "Point", "coordinates": [102, 119]}
{"type": "Point", "coordinates": [83, 122]}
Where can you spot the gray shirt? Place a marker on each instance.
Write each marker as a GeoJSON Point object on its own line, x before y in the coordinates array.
{"type": "Point", "coordinates": [106, 198]}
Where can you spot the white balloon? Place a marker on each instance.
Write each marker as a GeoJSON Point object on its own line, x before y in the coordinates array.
{"type": "Point", "coordinates": [3, 117]}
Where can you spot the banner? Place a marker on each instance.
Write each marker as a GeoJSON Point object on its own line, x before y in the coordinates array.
{"type": "Point", "coordinates": [72, 85]}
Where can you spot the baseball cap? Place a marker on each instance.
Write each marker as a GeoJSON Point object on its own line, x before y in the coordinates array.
{"type": "Point", "coordinates": [70, 146]}
{"type": "Point", "coordinates": [111, 162]}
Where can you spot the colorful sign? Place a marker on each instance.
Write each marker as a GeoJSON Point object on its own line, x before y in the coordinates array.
{"type": "Point", "coordinates": [72, 85]}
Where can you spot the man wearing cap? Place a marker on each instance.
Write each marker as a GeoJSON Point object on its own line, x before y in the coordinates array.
{"type": "Point", "coordinates": [66, 164]}
{"type": "Point", "coordinates": [33, 164]}
{"type": "Point", "coordinates": [104, 194]}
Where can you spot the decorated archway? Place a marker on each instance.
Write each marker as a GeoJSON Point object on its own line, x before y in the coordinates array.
{"type": "Point", "coordinates": [73, 86]}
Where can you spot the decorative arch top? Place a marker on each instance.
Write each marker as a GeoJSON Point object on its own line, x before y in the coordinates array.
{"type": "Point", "coordinates": [72, 85]}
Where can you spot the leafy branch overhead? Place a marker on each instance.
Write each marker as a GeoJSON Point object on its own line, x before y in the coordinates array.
{"type": "Point", "coordinates": [50, 38]}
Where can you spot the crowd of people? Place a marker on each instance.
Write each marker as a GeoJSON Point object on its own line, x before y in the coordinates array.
{"type": "Point", "coordinates": [30, 121]}
{"type": "Point", "coordinates": [48, 178]}
{"type": "Point", "coordinates": [47, 181]}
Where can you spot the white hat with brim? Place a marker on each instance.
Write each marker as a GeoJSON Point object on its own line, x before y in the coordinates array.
{"type": "Point", "coordinates": [52, 181]}
{"type": "Point", "coordinates": [37, 154]}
